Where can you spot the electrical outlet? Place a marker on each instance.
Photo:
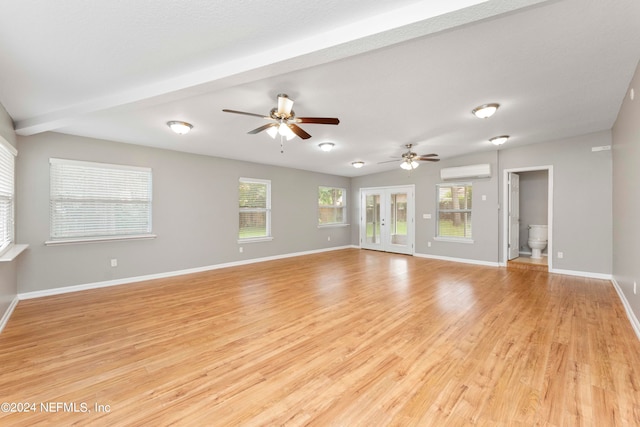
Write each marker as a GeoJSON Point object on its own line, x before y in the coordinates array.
{"type": "Point", "coordinates": [560, 255]}
{"type": "Point", "coordinates": [328, 238]}
{"type": "Point", "coordinates": [241, 249]}
{"type": "Point", "coordinates": [114, 262]}
{"type": "Point", "coordinates": [428, 244]}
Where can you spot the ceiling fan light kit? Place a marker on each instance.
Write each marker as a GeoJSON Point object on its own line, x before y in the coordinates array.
{"type": "Point", "coordinates": [409, 165]}
{"type": "Point", "coordinates": [284, 121]}
{"type": "Point", "coordinates": [181, 128]}
{"type": "Point", "coordinates": [409, 160]}
{"type": "Point", "coordinates": [485, 111]}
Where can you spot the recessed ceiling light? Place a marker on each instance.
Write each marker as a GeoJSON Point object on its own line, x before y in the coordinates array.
{"type": "Point", "coordinates": [180, 128]}
{"type": "Point", "coordinates": [499, 140]}
{"type": "Point", "coordinates": [326, 146]}
{"type": "Point", "coordinates": [485, 111]}
{"type": "Point", "coordinates": [357, 165]}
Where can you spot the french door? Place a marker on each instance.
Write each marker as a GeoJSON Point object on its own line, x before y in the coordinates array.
{"type": "Point", "coordinates": [387, 219]}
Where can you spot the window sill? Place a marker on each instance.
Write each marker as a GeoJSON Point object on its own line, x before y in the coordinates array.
{"type": "Point", "coordinates": [332, 225]}
{"type": "Point", "coordinates": [99, 239]}
{"type": "Point", "coordinates": [453, 240]}
{"type": "Point", "coordinates": [255, 240]}
{"type": "Point", "coordinates": [12, 253]}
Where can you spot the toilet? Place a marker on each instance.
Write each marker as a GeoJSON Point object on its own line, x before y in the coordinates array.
{"type": "Point", "coordinates": [537, 240]}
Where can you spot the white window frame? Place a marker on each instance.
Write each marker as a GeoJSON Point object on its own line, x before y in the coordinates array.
{"type": "Point", "coordinates": [266, 210]}
{"type": "Point", "coordinates": [8, 155]}
{"type": "Point", "coordinates": [343, 207]}
{"type": "Point", "coordinates": [438, 211]}
{"type": "Point", "coordinates": [116, 230]}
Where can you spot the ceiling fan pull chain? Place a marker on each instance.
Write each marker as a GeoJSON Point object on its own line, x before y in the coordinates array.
{"type": "Point", "coordinates": [281, 144]}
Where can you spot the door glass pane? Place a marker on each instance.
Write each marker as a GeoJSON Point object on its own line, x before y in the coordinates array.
{"type": "Point", "coordinates": [398, 221]}
{"type": "Point", "coordinates": [373, 218]}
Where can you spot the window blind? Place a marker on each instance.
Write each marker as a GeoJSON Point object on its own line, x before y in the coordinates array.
{"type": "Point", "coordinates": [7, 172]}
{"type": "Point", "coordinates": [93, 200]}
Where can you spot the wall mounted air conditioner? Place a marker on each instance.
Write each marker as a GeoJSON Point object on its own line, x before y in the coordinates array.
{"type": "Point", "coordinates": [462, 172]}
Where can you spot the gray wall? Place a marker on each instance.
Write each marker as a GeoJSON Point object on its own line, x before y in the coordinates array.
{"type": "Point", "coordinates": [534, 202]}
{"type": "Point", "coordinates": [425, 178]}
{"type": "Point", "coordinates": [195, 214]}
{"type": "Point", "coordinates": [8, 270]}
{"type": "Point", "coordinates": [582, 179]}
{"type": "Point", "coordinates": [626, 196]}
{"type": "Point", "coordinates": [582, 202]}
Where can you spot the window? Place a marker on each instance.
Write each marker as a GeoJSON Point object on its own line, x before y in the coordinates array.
{"type": "Point", "coordinates": [331, 206]}
{"type": "Point", "coordinates": [7, 171]}
{"type": "Point", "coordinates": [254, 197]}
{"type": "Point", "coordinates": [98, 201]}
{"type": "Point", "coordinates": [454, 211]}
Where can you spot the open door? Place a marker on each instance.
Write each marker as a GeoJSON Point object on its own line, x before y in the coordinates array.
{"type": "Point", "coordinates": [514, 215]}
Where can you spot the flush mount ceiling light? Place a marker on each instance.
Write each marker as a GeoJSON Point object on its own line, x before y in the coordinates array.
{"type": "Point", "coordinates": [485, 111]}
{"type": "Point", "coordinates": [180, 128]}
{"type": "Point", "coordinates": [357, 165]}
{"type": "Point", "coordinates": [499, 140]}
{"type": "Point", "coordinates": [326, 146]}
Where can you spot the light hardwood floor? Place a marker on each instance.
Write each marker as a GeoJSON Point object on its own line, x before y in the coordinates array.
{"type": "Point", "coordinates": [345, 338]}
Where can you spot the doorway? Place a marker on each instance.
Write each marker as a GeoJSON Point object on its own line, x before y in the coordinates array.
{"type": "Point", "coordinates": [387, 219]}
{"type": "Point", "coordinates": [520, 200]}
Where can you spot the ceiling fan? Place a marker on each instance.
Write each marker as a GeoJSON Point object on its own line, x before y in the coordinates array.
{"type": "Point", "coordinates": [284, 121]}
{"type": "Point", "coordinates": [410, 158]}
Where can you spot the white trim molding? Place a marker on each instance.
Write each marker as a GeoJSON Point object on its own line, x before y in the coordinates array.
{"type": "Point", "coordinates": [587, 274]}
{"type": "Point", "coordinates": [635, 323]}
{"type": "Point", "coordinates": [8, 312]}
{"type": "Point", "coordinates": [12, 252]}
{"type": "Point", "coordinates": [505, 210]}
{"type": "Point", "coordinates": [460, 260]}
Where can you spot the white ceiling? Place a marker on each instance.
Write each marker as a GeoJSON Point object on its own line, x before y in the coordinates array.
{"type": "Point", "coordinates": [393, 72]}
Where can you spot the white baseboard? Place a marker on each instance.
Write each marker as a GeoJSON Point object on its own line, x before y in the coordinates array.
{"type": "Point", "coordinates": [8, 312]}
{"type": "Point", "coordinates": [460, 260]}
{"type": "Point", "coordinates": [97, 285]}
{"type": "Point", "coordinates": [582, 274]}
{"type": "Point", "coordinates": [635, 324]}
{"type": "Point", "coordinates": [501, 264]}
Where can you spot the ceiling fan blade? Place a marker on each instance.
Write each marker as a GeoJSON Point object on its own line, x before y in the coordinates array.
{"type": "Point", "coordinates": [318, 120]}
{"type": "Point", "coordinates": [429, 159]}
{"type": "Point", "coordinates": [390, 161]}
{"type": "Point", "coordinates": [246, 114]}
{"type": "Point", "coordinates": [261, 128]}
{"type": "Point", "coordinates": [299, 131]}
{"type": "Point", "coordinates": [284, 105]}
{"type": "Point", "coordinates": [429, 155]}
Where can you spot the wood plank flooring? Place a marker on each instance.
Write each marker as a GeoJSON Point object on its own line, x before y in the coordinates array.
{"type": "Point", "coordinates": [344, 338]}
